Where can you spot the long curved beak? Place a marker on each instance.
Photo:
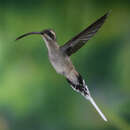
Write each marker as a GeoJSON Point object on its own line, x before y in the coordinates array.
{"type": "Point", "coordinates": [26, 34]}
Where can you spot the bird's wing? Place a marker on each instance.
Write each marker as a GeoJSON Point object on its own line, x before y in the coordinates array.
{"type": "Point", "coordinates": [79, 40]}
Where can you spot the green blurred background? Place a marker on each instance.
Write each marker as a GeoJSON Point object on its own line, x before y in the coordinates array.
{"type": "Point", "coordinates": [33, 96]}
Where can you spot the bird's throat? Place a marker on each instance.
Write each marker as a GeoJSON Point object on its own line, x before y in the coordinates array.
{"type": "Point", "coordinates": [51, 45]}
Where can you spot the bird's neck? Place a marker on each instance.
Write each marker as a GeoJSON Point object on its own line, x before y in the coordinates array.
{"type": "Point", "coordinates": [51, 45]}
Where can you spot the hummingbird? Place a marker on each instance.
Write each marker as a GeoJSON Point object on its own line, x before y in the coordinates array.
{"type": "Point", "coordinates": [59, 56]}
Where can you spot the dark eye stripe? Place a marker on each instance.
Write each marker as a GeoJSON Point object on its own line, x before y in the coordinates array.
{"type": "Point", "coordinates": [50, 35]}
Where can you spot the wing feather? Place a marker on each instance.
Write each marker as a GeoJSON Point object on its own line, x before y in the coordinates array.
{"type": "Point", "coordinates": [79, 40]}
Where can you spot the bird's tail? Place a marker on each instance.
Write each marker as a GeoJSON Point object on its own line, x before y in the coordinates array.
{"type": "Point", "coordinates": [82, 88]}
{"type": "Point", "coordinates": [89, 97]}
{"type": "Point", "coordinates": [96, 107]}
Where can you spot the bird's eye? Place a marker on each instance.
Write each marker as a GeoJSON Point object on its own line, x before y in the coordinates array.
{"type": "Point", "coordinates": [50, 34]}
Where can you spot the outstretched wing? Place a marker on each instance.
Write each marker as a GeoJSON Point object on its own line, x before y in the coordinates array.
{"type": "Point", "coordinates": [79, 40]}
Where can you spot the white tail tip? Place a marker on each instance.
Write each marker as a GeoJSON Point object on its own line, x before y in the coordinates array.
{"type": "Point", "coordinates": [96, 107]}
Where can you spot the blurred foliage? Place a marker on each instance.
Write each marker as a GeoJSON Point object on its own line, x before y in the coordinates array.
{"type": "Point", "coordinates": [33, 96]}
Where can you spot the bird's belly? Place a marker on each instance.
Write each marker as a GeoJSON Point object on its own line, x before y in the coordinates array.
{"type": "Point", "coordinates": [60, 64]}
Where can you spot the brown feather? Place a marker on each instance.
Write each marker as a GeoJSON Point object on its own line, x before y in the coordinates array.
{"type": "Point", "coordinates": [79, 40]}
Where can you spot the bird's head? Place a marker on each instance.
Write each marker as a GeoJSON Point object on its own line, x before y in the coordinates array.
{"type": "Point", "coordinates": [48, 35]}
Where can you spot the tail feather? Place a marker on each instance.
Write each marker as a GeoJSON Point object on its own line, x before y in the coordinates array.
{"type": "Point", "coordinates": [89, 97]}
{"type": "Point", "coordinates": [96, 107]}
{"type": "Point", "coordinates": [82, 88]}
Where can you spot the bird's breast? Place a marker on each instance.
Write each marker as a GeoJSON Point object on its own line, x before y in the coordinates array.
{"type": "Point", "coordinates": [61, 63]}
